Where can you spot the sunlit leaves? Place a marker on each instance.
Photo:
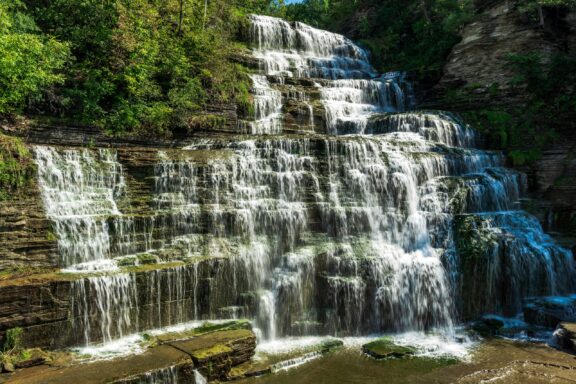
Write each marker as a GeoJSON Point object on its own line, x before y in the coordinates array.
{"type": "Point", "coordinates": [29, 61]}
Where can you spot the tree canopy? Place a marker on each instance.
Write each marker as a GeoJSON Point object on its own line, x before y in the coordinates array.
{"type": "Point", "coordinates": [29, 60]}
{"type": "Point", "coordinates": [122, 64]}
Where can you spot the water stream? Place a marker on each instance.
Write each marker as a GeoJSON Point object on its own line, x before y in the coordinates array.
{"type": "Point", "coordinates": [360, 226]}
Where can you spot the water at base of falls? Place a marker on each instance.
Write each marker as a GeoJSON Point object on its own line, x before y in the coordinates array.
{"type": "Point", "coordinates": [362, 228]}
{"type": "Point", "coordinates": [163, 376]}
{"type": "Point", "coordinates": [198, 378]}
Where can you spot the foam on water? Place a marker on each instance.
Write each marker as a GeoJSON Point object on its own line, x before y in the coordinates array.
{"type": "Point", "coordinates": [133, 344]}
{"type": "Point", "coordinates": [457, 345]}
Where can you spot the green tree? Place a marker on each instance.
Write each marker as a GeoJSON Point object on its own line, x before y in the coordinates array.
{"type": "Point", "coordinates": [413, 35]}
{"type": "Point", "coordinates": [29, 60]}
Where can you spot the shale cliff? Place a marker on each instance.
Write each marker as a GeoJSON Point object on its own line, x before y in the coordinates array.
{"type": "Point", "coordinates": [479, 79]}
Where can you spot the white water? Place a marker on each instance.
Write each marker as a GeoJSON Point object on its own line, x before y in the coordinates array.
{"type": "Point", "coordinates": [79, 189]}
{"type": "Point", "coordinates": [429, 345]}
{"type": "Point", "coordinates": [133, 343]}
{"type": "Point", "coordinates": [198, 378]}
{"type": "Point", "coordinates": [351, 90]}
{"type": "Point", "coordinates": [163, 376]}
{"type": "Point", "coordinates": [322, 234]}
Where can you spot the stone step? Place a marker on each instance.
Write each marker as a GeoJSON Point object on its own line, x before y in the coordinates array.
{"type": "Point", "coordinates": [213, 354]}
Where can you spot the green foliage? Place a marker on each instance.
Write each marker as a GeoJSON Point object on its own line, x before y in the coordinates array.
{"type": "Point", "coordinates": [146, 65]}
{"type": "Point", "coordinates": [549, 85]}
{"type": "Point", "coordinates": [13, 340]}
{"type": "Point", "coordinates": [16, 166]}
{"type": "Point", "coordinates": [531, 5]}
{"type": "Point", "coordinates": [550, 81]}
{"type": "Point", "coordinates": [29, 60]}
{"type": "Point", "coordinates": [410, 35]}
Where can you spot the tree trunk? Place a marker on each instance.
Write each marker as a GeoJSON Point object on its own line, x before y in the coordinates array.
{"type": "Point", "coordinates": [205, 13]}
{"type": "Point", "coordinates": [181, 16]}
{"type": "Point", "coordinates": [424, 4]}
{"type": "Point", "coordinates": [541, 15]}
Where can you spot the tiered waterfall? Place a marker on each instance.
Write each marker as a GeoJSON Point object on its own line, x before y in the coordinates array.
{"type": "Point", "coordinates": [332, 211]}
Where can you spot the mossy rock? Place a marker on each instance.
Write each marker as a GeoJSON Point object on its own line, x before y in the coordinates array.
{"type": "Point", "coordinates": [205, 328]}
{"type": "Point", "coordinates": [126, 261]}
{"type": "Point", "coordinates": [212, 352]}
{"type": "Point", "coordinates": [385, 348]}
{"type": "Point", "coordinates": [231, 325]}
{"type": "Point", "coordinates": [488, 326]}
{"type": "Point", "coordinates": [147, 259]}
{"type": "Point", "coordinates": [331, 344]}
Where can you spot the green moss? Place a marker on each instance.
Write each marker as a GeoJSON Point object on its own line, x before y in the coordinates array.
{"type": "Point", "coordinates": [126, 261]}
{"type": "Point", "coordinates": [216, 350]}
{"type": "Point", "coordinates": [147, 259]}
{"type": "Point", "coordinates": [384, 348]}
{"type": "Point", "coordinates": [13, 341]}
{"type": "Point", "coordinates": [51, 236]}
{"type": "Point", "coordinates": [331, 344]}
{"type": "Point", "coordinates": [17, 168]}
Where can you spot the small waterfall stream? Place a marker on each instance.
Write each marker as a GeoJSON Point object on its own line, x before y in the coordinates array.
{"type": "Point", "coordinates": [376, 220]}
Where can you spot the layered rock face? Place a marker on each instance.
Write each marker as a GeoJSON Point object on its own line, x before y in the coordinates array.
{"type": "Point", "coordinates": [479, 65]}
{"type": "Point", "coordinates": [330, 210]}
{"type": "Point", "coordinates": [480, 59]}
{"type": "Point", "coordinates": [26, 234]}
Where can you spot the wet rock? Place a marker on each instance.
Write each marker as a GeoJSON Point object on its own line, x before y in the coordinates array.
{"type": "Point", "coordinates": [565, 336]}
{"type": "Point", "coordinates": [493, 325]}
{"type": "Point", "coordinates": [30, 362]}
{"type": "Point", "coordinates": [213, 354]}
{"type": "Point", "coordinates": [488, 326]}
{"type": "Point", "coordinates": [385, 348]}
{"type": "Point", "coordinates": [8, 367]}
{"type": "Point", "coordinates": [550, 311]}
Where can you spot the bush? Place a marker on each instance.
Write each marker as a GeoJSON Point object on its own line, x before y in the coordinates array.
{"type": "Point", "coordinates": [13, 340]}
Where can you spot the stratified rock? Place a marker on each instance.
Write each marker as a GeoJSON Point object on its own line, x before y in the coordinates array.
{"type": "Point", "coordinates": [479, 62]}
{"type": "Point", "coordinates": [214, 353]}
{"type": "Point", "coordinates": [478, 76]}
{"type": "Point", "coordinates": [550, 311]}
{"type": "Point", "coordinates": [30, 362]}
{"type": "Point", "coordinates": [385, 348]}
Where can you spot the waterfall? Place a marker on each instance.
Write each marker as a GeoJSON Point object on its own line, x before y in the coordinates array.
{"type": "Point", "coordinates": [113, 298]}
{"type": "Point", "coordinates": [79, 189]}
{"type": "Point", "coordinates": [198, 378]}
{"type": "Point", "coordinates": [162, 376]}
{"type": "Point", "coordinates": [374, 220]}
{"type": "Point", "coordinates": [351, 91]}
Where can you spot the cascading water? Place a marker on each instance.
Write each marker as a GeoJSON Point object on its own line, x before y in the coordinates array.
{"type": "Point", "coordinates": [349, 88]}
{"type": "Point", "coordinates": [163, 376]}
{"type": "Point", "coordinates": [79, 190]}
{"type": "Point", "coordinates": [365, 225]}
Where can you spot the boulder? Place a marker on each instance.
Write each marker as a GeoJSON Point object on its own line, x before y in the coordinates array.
{"type": "Point", "coordinates": [550, 311]}
{"type": "Point", "coordinates": [384, 348]}
{"type": "Point", "coordinates": [565, 336]}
